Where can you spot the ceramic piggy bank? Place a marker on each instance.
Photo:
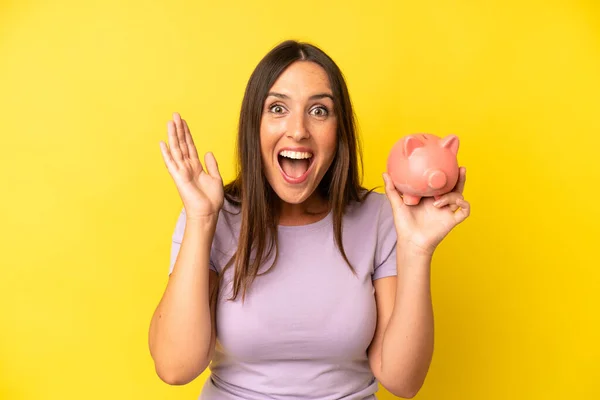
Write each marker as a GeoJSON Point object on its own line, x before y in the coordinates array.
{"type": "Point", "coordinates": [423, 165]}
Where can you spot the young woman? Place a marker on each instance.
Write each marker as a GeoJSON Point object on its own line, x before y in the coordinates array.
{"type": "Point", "coordinates": [293, 281]}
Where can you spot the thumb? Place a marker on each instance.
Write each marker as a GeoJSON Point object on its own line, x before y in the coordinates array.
{"type": "Point", "coordinates": [211, 165]}
{"type": "Point", "coordinates": [392, 194]}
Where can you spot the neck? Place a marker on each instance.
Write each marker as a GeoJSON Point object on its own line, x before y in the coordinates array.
{"type": "Point", "coordinates": [311, 210]}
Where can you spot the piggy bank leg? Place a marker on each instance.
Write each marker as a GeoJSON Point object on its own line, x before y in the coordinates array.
{"type": "Point", "coordinates": [411, 200]}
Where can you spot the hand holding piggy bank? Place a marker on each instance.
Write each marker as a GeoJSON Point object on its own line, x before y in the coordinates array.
{"type": "Point", "coordinates": [424, 165]}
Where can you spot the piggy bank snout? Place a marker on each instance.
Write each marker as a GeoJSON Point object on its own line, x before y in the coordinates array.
{"type": "Point", "coordinates": [436, 179]}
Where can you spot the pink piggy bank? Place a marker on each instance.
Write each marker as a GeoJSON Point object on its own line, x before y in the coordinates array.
{"type": "Point", "coordinates": [423, 165]}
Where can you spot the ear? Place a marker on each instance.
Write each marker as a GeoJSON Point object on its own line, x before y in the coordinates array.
{"type": "Point", "coordinates": [411, 143]}
{"type": "Point", "coordinates": [451, 142]}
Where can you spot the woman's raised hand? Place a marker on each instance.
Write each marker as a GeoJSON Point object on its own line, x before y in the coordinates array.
{"type": "Point", "coordinates": [200, 190]}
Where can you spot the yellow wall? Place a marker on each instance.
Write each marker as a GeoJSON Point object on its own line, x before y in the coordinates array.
{"type": "Point", "coordinates": [87, 206]}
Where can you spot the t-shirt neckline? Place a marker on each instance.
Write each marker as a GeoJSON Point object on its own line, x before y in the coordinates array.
{"type": "Point", "coordinates": [326, 220]}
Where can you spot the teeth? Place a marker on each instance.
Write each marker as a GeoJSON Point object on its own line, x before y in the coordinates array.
{"type": "Point", "coordinates": [298, 155]}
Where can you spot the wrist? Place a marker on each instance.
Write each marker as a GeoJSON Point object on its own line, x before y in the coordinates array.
{"type": "Point", "coordinates": [414, 251]}
{"type": "Point", "coordinates": [204, 224]}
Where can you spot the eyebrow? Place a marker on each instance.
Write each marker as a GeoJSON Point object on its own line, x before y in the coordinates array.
{"type": "Point", "coordinates": [313, 97]}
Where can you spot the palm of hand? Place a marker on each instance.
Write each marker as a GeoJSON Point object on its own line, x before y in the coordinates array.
{"type": "Point", "coordinates": [198, 187]}
{"type": "Point", "coordinates": [201, 191]}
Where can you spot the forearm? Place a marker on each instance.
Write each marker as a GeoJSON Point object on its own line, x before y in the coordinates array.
{"type": "Point", "coordinates": [407, 345]}
{"type": "Point", "coordinates": [180, 336]}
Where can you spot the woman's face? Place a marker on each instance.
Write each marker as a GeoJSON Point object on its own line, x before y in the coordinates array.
{"type": "Point", "coordinates": [298, 131]}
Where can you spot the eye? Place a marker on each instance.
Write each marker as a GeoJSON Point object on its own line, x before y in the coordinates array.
{"type": "Point", "coordinates": [319, 111]}
{"type": "Point", "coordinates": [276, 109]}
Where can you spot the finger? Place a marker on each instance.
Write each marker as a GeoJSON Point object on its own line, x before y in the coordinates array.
{"type": "Point", "coordinates": [464, 212]}
{"type": "Point", "coordinates": [180, 135]}
{"type": "Point", "coordinates": [211, 165]}
{"type": "Point", "coordinates": [448, 199]}
{"type": "Point", "coordinates": [169, 162]}
{"type": "Point", "coordinates": [462, 178]}
{"type": "Point", "coordinates": [391, 192]}
{"type": "Point", "coordinates": [189, 140]}
{"type": "Point", "coordinates": [173, 142]}
{"type": "Point", "coordinates": [191, 146]}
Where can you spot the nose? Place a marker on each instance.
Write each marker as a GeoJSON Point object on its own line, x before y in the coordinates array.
{"type": "Point", "coordinates": [296, 128]}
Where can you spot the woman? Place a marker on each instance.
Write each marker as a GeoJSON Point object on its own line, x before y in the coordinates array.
{"type": "Point", "coordinates": [293, 281]}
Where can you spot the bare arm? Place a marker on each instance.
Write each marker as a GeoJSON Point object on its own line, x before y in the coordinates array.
{"type": "Point", "coordinates": [402, 348]}
{"type": "Point", "coordinates": [182, 330]}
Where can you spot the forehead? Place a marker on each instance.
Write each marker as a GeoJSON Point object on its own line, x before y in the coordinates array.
{"type": "Point", "coordinates": [302, 79]}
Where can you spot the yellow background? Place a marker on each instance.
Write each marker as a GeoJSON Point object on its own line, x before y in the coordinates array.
{"type": "Point", "coordinates": [88, 208]}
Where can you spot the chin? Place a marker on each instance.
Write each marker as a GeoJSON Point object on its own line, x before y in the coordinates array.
{"type": "Point", "coordinates": [292, 195]}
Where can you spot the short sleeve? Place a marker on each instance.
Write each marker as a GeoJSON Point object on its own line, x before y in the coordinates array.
{"type": "Point", "coordinates": [177, 239]}
{"type": "Point", "coordinates": [385, 248]}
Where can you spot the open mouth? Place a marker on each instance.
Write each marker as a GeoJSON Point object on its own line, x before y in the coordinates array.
{"type": "Point", "coordinates": [295, 165]}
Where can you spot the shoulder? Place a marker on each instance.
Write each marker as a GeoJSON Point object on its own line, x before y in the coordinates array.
{"type": "Point", "coordinates": [372, 216]}
{"type": "Point", "coordinates": [373, 207]}
{"type": "Point", "coordinates": [230, 219]}
{"type": "Point", "coordinates": [370, 220]}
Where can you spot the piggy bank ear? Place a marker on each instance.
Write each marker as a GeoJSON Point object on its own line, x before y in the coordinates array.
{"type": "Point", "coordinates": [450, 142]}
{"type": "Point", "coordinates": [411, 143]}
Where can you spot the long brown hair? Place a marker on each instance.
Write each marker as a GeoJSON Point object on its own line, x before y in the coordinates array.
{"type": "Point", "coordinates": [251, 192]}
